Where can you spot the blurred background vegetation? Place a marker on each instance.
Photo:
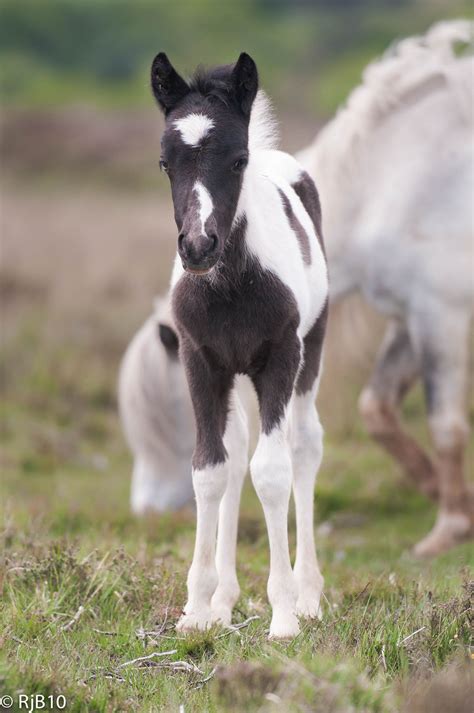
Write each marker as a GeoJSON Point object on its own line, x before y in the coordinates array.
{"type": "Point", "coordinates": [310, 52]}
{"type": "Point", "coordinates": [87, 241]}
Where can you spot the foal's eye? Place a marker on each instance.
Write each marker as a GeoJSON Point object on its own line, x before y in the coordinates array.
{"type": "Point", "coordinates": [240, 164]}
{"type": "Point", "coordinates": [164, 165]}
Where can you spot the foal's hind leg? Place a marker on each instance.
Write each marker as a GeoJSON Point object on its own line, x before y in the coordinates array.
{"type": "Point", "coordinates": [236, 441]}
{"type": "Point", "coordinates": [442, 339]}
{"type": "Point", "coordinates": [396, 369]}
{"type": "Point", "coordinates": [307, 452]}
{"type": "Point", "coordinates": [271, 471]}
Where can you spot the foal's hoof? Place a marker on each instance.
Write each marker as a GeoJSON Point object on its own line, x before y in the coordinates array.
{"type": "Point", "coordinates": [451, 529]}
{"type": "Point", "coordinates": [195, 621]}
{"type": "Point", "coordinates": [284, 626]}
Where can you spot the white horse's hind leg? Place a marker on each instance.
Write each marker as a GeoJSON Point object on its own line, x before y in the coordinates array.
{"type": "Point", "coordinates": [443, 342]}
{"type": "Point", "coordinates": [396, 369]}
{"type": "Point", "coordinates": [236, 441]}
{"type": "Point", "coordinates": [307, 452]}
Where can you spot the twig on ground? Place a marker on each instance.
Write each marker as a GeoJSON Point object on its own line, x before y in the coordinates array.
{"type": "Point", "coordinates": [384, 663]}
{"type": "Point", "coordinates": [74, 619]}
{"type": "Point", "coordinates": [152, 636]}
{"type": "Point", "coordinates": [155, 654]}
{"type": "Point", "coordinates": [203, 681]}
{"type": "Point", "coordinates": [105, 633]}
{"type": "Point", "coordinates": [236, 627]}
{"type": "Point", "coordinates": [178, 666]}
{"type": "Point", "coordinates": [106, 674]}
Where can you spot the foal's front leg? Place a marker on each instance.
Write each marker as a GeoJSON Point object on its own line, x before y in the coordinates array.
{"type": "Point", "coordinates": [236, 443]}
{"type": "Point", "coordinates": [209, 394]}
{"type": "Point", "coordinates": [271, 471]}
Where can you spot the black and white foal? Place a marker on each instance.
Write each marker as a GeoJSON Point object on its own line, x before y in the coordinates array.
{"type": "Point", "coordinates": [249, 293]}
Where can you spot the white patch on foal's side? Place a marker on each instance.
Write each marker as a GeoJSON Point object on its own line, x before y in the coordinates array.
{"type": "Point", "coordinates": [205, 203]}
{"type": "Point", "coordinates": [193, 128]}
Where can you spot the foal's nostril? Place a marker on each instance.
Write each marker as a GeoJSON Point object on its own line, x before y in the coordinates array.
{"type": "Point", "coordinates": [213, 242]}
{"type": "Point", "coordinates": [181, 237]}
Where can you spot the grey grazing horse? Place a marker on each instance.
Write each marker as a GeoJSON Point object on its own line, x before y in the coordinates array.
{"type": "Point", "coordinates": [395, 174]}
{"type": "Point", "coordinates": [157, 416]}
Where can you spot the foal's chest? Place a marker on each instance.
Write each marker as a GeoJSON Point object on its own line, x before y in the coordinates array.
{"type": "Point", "coordinates": [235, 324]}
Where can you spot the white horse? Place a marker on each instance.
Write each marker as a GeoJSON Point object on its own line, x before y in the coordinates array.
{"type": "Point", "coordinates": [395, 174]}
{"type": "Point", "coordinates": [157, 416]}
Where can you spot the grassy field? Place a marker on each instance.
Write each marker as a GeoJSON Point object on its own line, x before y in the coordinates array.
{"type": "Point", "coordinates": [87, 589]}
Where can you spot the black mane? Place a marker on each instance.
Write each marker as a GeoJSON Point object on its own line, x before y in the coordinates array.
{"type": "Point", "coordinates": [215, 82]}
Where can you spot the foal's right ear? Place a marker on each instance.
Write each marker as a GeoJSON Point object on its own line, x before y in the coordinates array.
{"type": "Point", "coordinates": [168, 87]}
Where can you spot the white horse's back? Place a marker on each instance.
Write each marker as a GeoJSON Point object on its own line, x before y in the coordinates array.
{"type": "Point", "coordinates": [394, 170]}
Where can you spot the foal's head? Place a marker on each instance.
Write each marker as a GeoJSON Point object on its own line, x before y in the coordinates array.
{"type": "Point", "coordinates": [204, 151]}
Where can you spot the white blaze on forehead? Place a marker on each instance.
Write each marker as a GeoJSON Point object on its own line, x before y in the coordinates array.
{"type": "Point", "coordinates": [205, 203]}
{"type": "Point", "coordinates": [193, 128]}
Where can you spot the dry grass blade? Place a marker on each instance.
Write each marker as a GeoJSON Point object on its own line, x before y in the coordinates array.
{"type": "Point", "coordinates": [407, 638]}
{"type": "Point", "coordinates": [347, 609]}
{"type": "Point", "coordinates": [74, 619]}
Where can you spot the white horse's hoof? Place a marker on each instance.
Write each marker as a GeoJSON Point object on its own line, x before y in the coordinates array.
{"type": "Point", "coordinates": [449, 530]}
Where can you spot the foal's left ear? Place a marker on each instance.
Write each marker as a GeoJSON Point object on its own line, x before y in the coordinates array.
{"type": "Point", "coordinates": [245, 81]}
{"type": "Point", "coordinates": [168, 87]}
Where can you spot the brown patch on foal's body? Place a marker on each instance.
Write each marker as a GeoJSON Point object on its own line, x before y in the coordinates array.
{"type": "Point", "coordinates": [297, 228]}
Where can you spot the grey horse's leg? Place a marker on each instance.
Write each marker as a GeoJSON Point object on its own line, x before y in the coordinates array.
{"type": "Point", "coordinates": [395, 371]}
{"type": "Point", "coordinates": [441, 339]}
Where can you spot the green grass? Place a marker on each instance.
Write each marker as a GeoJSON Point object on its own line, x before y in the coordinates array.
{"type": "Point", "coordinates": [81, 578]}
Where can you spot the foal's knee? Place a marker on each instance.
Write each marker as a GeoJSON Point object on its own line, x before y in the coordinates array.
{"type": "Point", "coordinates": [236, 439]}
{"type": "Point", "coordinates": [270, 469]}
{"type": "Point", "coordinates": [377, 414]}
{"type": "Point", "coordinates": [210, 482]}
{"type": "Point", "coordinates": [307, 438]}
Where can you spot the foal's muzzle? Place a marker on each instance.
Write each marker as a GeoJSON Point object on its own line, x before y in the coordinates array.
{"type": "Point", "coordinates": [198, 253]}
